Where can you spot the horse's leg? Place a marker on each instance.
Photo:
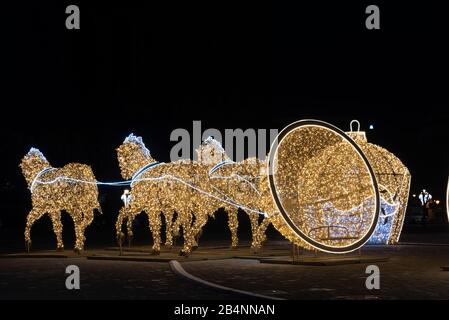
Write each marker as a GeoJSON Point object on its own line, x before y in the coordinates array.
{"type": "Point", "coordinates": [253, 218]}
{"type": "Point", "coordinates": [233, 224]}
{"type": "Point", "coordinates": [186, 223]}
{"type": "Point", "coordinates": [129, 228]}
{"type": "Point", "coordinates": [33, 216]}
{"type": "Point", "coordinates": [262, 230]}
{"type": "Point", "coordinates": [55, 216]}
{"type": "Point", "coordinates": [77, 217]}
{"type": "Point", "coordinates": [154, 219]}
{"type": "Point", "coordinates": [87, 218]}
{"type": "Point", "coordinates": [260, 237]}
{"type": "Point", "coordinates": [196, 239]}
{"type": "Point", "coordinates": [168, 214]}
{"type": "Point", "coordinates": [200, 222]}
{"type": "Point", "coordinates": [118, 226]}
{"type": "Point", "coordinates": [176, 227]}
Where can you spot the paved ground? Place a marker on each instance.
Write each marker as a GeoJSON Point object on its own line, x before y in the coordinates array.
{"type": "Point", "coordinates": [412, 272]}
{"type": "Point", "coordinates": [45, 279]}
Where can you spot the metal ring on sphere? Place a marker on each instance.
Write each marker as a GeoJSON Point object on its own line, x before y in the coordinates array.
{"type": "Point", "coordinates": [288, 219]}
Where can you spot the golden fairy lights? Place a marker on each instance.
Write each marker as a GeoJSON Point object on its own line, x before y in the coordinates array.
{"type": "Point", "coordinates": [60, 189]}
{"type": "Point", "coordinates": [321, 189]}
{"type": "Point", "coordinates": [241, 183]}
{"type": "Point", "coordinates": [187, 193]}
{"type": "Point", "coordinates": [394, 179]}
{"type": "Point", "coordinates": [324, 188]}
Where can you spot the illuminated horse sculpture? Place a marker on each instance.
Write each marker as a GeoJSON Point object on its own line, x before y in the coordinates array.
{"type": "Point", "coordinates": [212, 155]}
{"type": "Point", "coordinates": [239, 183]}
{"type": "Point", "coordinates": [71, 188]}
{"type": "Point", "coordinates": [165, 188]}
{"type": "Point", "coordinates": [134, 160]}
{"type": "Point", "coordinates": [186, 188]}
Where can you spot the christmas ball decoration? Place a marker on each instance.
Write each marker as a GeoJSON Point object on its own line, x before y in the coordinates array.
{"type": "Point", "coordinates": [71, 188]}
{"type": "Point", "coordinates": [394, 179]}
{"type": "Point", "coordinates": [323, 187]}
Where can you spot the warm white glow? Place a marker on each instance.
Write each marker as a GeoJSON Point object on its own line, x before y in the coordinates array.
{"type": "Point", "coordinates": [324, 188]}
{"type": "Point", "coordinates": [394, 185]}
{"type": "Point", "coordinates": [188, 192]}
{"type": "Point", "coordinates": [71, 188]}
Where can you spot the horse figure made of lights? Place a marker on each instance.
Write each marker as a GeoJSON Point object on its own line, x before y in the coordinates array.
{"type": "Point", "coordinates": [186, 193]}
{"type": "Point", "coordinates": [240, 183]}
{"type": "Point", "coordinates": [172, 189]}
{"type": "Point", "coordinates": [71, 188]}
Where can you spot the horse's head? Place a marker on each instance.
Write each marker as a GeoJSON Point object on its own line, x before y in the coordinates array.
{"type": "Point", "coordinates": [132, 155]}
{"type": "Point", "coordinates": [210, 152]}
{"type": "Point", "coordinates": [33, 163]}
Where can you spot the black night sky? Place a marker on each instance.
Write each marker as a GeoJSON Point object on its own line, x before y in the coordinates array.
{"type": "Point", "coordinates": [77, 94]}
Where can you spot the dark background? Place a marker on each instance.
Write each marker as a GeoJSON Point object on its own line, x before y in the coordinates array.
{"type": "Point", "coordinates": [148, 69]}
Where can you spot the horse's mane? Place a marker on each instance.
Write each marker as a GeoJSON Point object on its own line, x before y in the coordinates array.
{"type": "Point", "coordinates": [137, 140]}
{"type": "Point", "coordinates": [133, 155]}
{"type": "Point", "coordinates": [32, 163]}
{"type": "Point", "coordinates": [211, 152]}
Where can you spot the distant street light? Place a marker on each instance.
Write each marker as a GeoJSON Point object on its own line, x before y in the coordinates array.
{"type": "Point", "coordinates": [425, 197]}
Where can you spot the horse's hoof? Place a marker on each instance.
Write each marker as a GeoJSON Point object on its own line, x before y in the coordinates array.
{"type": "Point", "coordinates": [234, 247]}
{"type": "Point", "coordinates": [254, 251]}
{"type": "Point", "coordinates": [184, 254]}
{"type": "Point", "coordinates": [168, 247]}
{"type": "Point", "coordinates": [59, 249]}
{"type": "Point", "coordinates": [120, 239]}
{"type": "Point", "coordinates": [78, 251]}
{"type": "Point", "coordinates": [28, 246]}
{"type": "Point", "coordinates": [155, 252]}
{"type": "Point", "coordinates": [194, 248]}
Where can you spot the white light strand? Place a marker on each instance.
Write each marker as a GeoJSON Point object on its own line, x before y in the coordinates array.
{"type": "Point", "coordinates": [38, 175]}
{"type": "Point", "coordinates": [132, 181]}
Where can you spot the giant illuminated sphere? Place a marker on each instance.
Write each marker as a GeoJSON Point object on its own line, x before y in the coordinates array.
{"type": "Point", "coordinates": [393, 178]}
{"type": "Point", "coordinates": [323, 187]}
